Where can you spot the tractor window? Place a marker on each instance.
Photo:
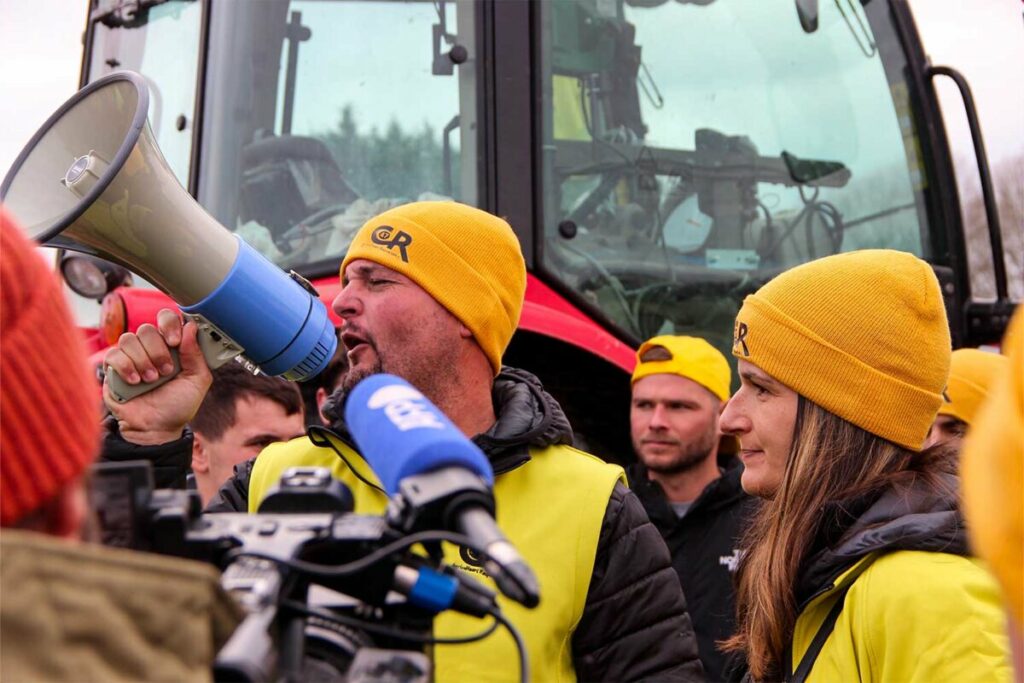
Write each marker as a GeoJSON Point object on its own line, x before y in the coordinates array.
{"type": "Point", "coordinates": [162, 44]}
{"type": "Point", "coordinates": [695, 148]}
{"type": "Point", "coordinates": [320, 115]}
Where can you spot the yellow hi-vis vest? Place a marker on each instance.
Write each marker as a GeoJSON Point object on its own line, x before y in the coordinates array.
{"type": "Point", "coordinates": [551, 508]}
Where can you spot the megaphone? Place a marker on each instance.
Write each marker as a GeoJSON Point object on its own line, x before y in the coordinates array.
{"type": "Point", "coordinates": [93, 180]}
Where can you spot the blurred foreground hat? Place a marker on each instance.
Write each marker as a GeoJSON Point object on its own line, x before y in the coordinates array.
{"type": "Point", "coordinates": [49, 402]}
{"type": "Point", "coordinates": [862, 334]}
{"type": "Point", "coordinates": [993, 473]}
{"type": "Point", "coordinates": [692, 358]}
{"type": "Point", "coordinates": [468, 260]}
{"type": "Point", "coordinates": [971, 375]}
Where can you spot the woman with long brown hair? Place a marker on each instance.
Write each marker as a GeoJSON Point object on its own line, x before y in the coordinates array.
{"type": "Point", "coordinates": [856, 565]}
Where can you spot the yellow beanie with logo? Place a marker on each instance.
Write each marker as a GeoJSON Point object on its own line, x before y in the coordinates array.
{"type": "Point", "coordinates": [862, 334]}
{"type": "Point", "coordinates": [971, 374]}
{"type": "Point", "coordinates": [692, 358]}
{"type": "Point", "coordinates": [468, 260]}
{"type": "Point", "coordinates": [992, 470]}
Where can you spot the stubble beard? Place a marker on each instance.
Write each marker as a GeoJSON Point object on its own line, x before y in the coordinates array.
{"type": "Point", "coordinates": [691, 457]}
{"type": "Point", "coordinates": [433, 378]}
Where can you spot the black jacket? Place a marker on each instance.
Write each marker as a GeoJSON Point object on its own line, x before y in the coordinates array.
{"type": "Point", "coordinates": [635, 624]}
{"type": "Point", "coordinates": [704, 548]}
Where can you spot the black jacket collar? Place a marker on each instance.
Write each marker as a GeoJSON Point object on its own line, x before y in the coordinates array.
{"type": "Point", "coordinates": [526, 416]}
{"type": "Point", "coordinates": [721, 493]}
{"type": "Point", "coordinates": [906, 518]}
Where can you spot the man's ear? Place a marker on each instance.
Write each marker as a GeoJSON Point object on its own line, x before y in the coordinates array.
{"type": "Point", "coordinates": [465, 332]}
{"type": "Point", "coordinates": [321, 397]}
{"type": "Point", "coordinates": [200, 456]}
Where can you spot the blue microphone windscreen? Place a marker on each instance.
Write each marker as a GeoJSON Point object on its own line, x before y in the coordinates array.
{"type": "Point", "coordinates": [401, 433]}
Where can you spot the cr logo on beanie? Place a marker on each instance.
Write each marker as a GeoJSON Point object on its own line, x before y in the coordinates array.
{"type": "Point", "coordinates": [739, 339]}
{"type": "Point", "coordinates": [389, 238]}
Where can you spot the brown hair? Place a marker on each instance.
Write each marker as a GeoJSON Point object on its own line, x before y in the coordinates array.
{"type": "Point", "coordinates": [830, 460]}
{"type": "Point", "coordinates": [232, 382]}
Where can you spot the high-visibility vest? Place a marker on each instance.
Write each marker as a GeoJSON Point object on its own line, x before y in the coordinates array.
{"type": "Point", "coordinates": [551, 508]}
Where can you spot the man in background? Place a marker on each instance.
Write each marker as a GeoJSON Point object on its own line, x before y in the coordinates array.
{"type": "Point", "coordinates": [691, 491]}
{"type": "Point", "coordinates": [241, 415]}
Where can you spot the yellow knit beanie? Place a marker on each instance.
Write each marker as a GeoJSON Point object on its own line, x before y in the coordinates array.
{"type": "Point", "coordinates": [692, 358]}
{"type": "Point", "coordinates": [862, 334]}
{"type": "Point", "coordinates": [468, 260]}
{"type": "Point", "coordinates": [993, 473]}
{"type": "Point", "coordinates": [971, 374]}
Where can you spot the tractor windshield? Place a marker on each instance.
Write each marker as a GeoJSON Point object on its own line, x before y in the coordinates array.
{"type": "Point", "coordinates": [692, 149]}
{"type": "Point", "coordinates": [686, 150]}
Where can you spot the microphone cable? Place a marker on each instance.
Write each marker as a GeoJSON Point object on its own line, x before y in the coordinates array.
{"type": "Point", "coordinates": [524, 663]}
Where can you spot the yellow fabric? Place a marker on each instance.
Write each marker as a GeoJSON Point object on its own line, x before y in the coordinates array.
{"type": "Point", "coordinates": [469, 261]}
{"type": "Point", "coordinates": [550, 508]}
{"type": "Point", "coordinates": [692, 358]}
{"type": "Point", "coordinates": [971, 374]}
{"type": "Point", "coordinates": [993, 474]}
{"type": "Point", "coordinates": [912, 617]}
{"type": "Point", "coordinates": [862, 334]}
{"type": "Point", "coordinates": [81, 612]}
{"type": "Point", "coordinates": [567, 105]}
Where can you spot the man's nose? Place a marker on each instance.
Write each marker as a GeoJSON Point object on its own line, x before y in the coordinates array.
{"type": "Point", "coordinates": [346, 304]}
{"type": "Point", "coordinates": [658, 420]}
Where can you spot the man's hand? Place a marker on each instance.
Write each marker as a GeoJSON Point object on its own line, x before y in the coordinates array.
{"type": "Point", "coordinates": [160, 415]}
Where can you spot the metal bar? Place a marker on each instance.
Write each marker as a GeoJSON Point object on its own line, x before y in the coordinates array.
{"type": "Point", "coordinates": [995, 233]}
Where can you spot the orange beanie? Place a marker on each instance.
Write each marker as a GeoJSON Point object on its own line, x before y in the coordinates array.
{"type": "Point", "coordinates": [49, 413]}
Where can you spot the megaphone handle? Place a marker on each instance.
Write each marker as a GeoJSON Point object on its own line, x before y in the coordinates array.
{"type": "Point", "coordinates": [216, 349]}
{"type": "Point", "coordinates": [122, 392]}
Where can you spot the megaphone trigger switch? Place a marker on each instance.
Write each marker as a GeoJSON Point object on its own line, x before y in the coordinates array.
{"type": "Point", "coordinates": [216, 346]}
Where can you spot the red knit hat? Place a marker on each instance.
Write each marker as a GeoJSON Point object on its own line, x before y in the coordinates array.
{"type": "Point", "coordinates": [49, 417]}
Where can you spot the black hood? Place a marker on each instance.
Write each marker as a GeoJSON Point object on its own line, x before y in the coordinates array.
{"type": "Point", "coordinates": [527, 416]}
{"type": "Point", "coordinates": [916, 517]}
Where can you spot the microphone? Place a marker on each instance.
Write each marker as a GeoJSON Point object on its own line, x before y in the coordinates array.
{"type": "Point", "coordinates": [435, 476]}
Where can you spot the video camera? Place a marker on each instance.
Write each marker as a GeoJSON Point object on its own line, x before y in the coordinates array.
{"type": "Point", "coordinates": [329, 594]}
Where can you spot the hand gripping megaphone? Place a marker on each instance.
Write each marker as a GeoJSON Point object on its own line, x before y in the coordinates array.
{"type": "Point", "coordinates": [93, 180]}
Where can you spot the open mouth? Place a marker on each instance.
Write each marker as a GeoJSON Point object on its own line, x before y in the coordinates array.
{"type": "Point", "coordinates": [353, 341]}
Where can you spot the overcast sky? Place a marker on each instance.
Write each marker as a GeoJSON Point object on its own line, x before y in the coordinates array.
{"type": "Point", "coordinates": [41, 41]}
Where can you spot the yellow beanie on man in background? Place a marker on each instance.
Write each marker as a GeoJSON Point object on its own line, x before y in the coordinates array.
{"type": "Point", "coordinates": [971, 374]}
{"type": "Point", "coordinates": [468, 260]}
{"type": "Point", "coordinates": [692, 358]}
{"type": "Point", "coordinates": [863, 334]}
